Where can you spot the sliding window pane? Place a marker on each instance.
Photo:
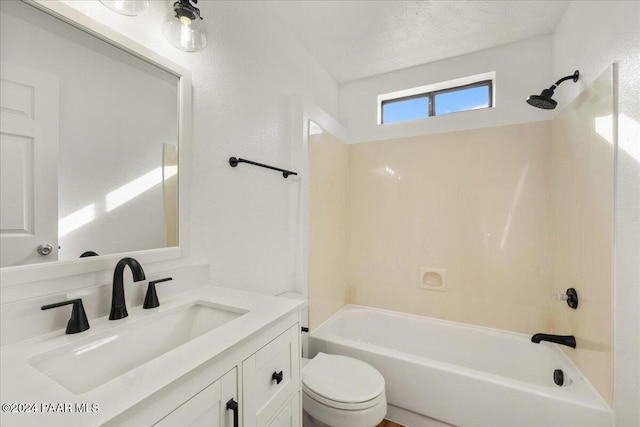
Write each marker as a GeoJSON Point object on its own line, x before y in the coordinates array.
{"type": "Point", "coordinates": [454, 101]}
{"type": "Point", "coordinates": [405, 109]}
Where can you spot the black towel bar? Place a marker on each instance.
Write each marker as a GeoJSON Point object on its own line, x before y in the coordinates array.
{"type": "Point", "coordinates": [233, 161]}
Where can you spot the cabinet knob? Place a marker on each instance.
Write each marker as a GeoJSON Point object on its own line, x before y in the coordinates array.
{"type": "Point", "coordinates": [277, 377]}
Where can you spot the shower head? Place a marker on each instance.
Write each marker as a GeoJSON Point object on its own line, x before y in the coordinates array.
{"type": "Point", "coordinates": [545, 100]}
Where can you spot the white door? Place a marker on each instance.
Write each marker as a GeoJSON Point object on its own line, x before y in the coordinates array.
{"type": "Point", "coordinates": [28, 165]}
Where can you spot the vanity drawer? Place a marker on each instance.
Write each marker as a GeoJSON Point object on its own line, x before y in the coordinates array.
{"type": "Point", "coordinates": [270, 377]}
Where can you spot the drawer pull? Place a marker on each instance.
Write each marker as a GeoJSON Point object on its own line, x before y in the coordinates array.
{"type": "Point", "coordinates": [233, 405]}
{"type": "Point", "coordinates": [277, 377]}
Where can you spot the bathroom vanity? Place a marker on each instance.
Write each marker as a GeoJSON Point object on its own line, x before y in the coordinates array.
{"type": "Point", "coordinates": [214, 355]}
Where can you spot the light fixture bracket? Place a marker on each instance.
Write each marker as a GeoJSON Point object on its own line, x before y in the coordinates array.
{"type": "Point", "coordinates": [184, 8]}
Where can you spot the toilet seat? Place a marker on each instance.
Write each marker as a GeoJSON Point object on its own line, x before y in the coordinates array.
{"type": "Point", "coordinates": [342, 382]}
{"type": "Point", "coordinates": [341, 405]}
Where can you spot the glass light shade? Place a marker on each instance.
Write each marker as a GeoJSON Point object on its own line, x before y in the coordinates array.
{"type": "Point", "coordinates": [127, 7]}
{"type": "Point", "coordinates": [184, 30]}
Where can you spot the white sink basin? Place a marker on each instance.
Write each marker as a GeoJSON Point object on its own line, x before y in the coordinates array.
{"type": "Point", "coordinates": [85, 365]}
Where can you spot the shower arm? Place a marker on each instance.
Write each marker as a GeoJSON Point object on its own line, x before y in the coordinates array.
{"type": "Point", "coordinates": [573, 77]}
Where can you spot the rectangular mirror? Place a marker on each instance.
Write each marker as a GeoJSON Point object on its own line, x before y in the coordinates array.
{"type": "Point", "coordinates": [92, 127]}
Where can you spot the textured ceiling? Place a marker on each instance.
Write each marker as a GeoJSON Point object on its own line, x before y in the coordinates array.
{"type": "Point", "coordinates": [356, 39]}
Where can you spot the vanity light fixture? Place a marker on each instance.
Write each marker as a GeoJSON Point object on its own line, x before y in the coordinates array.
{"type": "Point", "coordinates": [127, 7]}
{"type": "Point", "coordinates": [183, 27]}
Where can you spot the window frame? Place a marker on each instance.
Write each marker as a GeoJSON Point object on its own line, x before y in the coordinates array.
{"type": "Point", "coordinates": [431, 91]}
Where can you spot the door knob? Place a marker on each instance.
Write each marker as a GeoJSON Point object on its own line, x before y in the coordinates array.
{"type": "Point", "coordinates": [45, 249]}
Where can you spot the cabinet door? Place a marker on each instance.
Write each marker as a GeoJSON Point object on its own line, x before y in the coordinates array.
{"type": "Point", "coordinates": [270, 377]}
{"type": "Point", "coordinates": [207, 408]}
{"type": "Point", "coordinates": [290, 414]}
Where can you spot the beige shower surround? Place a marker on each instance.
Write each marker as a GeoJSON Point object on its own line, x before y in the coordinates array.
{"type": "Point", "coordinates": [483, 205]}
{"type": "Point", "coordinates": [328, 204]}
{"type": "Point", "coordinates": [475, 203]}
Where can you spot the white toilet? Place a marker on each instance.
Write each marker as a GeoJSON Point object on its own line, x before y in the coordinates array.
{"type": "Point", "coordinates": [340, 391]}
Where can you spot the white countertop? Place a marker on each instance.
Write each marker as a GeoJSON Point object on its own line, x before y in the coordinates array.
{"type": "Point", "coordinates": [22, 383]}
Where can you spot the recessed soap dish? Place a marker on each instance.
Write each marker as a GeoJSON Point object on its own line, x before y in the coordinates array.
{"type": "Point", "coordinates": [433, 278]}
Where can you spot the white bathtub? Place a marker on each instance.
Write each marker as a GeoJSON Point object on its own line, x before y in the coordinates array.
{"type": "Point", "coordinates": [439, 372]}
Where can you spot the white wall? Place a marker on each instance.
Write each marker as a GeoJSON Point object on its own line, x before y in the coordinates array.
{"type": "Point", "coordinates": [592, 35]}
{"type": "Point", "coordinates": [238, 219]}
{"type": "Point", "coordinates": [522, 68]}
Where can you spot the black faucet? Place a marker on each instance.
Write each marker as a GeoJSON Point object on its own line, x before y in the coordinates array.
{"type": "Point", "coordinates": [118, 306]}
{"type": "Point", "coordinates": [568, 340]}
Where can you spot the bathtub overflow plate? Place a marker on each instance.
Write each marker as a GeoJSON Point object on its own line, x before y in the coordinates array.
{"type": "Point", "coordinates": [558, 377]}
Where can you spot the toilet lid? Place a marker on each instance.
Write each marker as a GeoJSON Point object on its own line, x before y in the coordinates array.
{"type": "Point", "coordinates": [342, 379]}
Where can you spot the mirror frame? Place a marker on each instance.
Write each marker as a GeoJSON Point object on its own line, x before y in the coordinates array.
{"type": "Point", "coordinates": [34, 272]}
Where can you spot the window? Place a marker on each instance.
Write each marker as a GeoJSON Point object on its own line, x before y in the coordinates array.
{"type": "Point", "coordinates": [438, 99]}
{"type": "Point", "coordinates": [458, 99]}
{"type": "Point", "coordinates": [410, 108]}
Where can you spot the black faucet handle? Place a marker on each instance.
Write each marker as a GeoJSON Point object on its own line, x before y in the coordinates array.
{"type": "Point", "coordinates": [78, 321]}
{"type": "Point", "coordinates": [151, 299]}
